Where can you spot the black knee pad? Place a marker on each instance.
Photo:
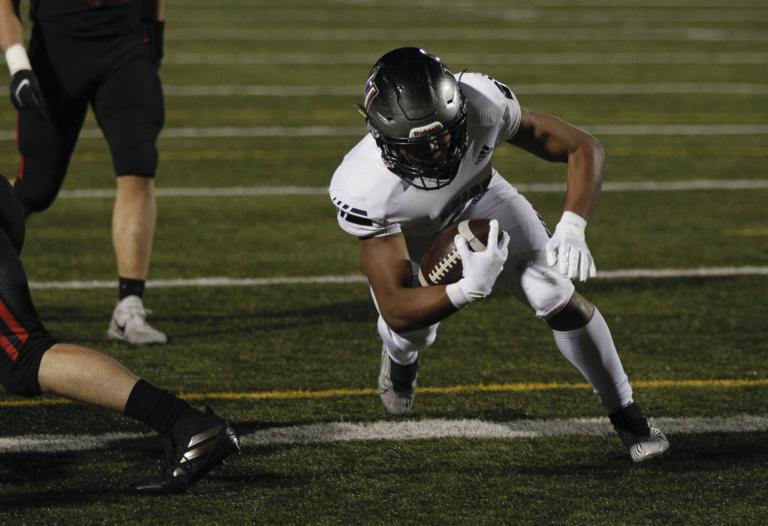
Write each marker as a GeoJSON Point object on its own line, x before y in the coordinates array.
{"type": "Point", "coordinates": [139, 159]}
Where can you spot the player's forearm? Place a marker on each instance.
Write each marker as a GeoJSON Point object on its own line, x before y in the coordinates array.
{"type": "Point", "coordinates": [10, 25]}
{"type": "Point", "coordinates": [585, 167]}
{"type": "Point", "coordinates": [415, 308]}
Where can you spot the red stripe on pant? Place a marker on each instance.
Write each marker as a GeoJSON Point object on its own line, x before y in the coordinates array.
{"type": "Point", "coordinates": [18, 331]}
{"type": "Point", "coordinates": [9, 349]}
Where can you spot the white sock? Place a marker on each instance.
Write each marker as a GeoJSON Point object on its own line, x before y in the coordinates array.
{"type": "Point", "coordinates": [402, 357]}
{"type": "Point", "coordinates": [592, 351]}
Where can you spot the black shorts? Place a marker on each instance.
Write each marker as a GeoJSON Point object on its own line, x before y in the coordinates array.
{"type": "Point", "coordinates": [23, 339]}
{"type": "Point", "coordinates": [117, 79]}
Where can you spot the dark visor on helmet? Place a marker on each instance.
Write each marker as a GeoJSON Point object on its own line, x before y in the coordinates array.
{"type": "Point", "coordinates": [429, 151]}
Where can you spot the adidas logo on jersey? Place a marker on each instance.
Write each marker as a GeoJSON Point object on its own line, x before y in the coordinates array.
{"type": "Point", "coordinates": [484, 152]}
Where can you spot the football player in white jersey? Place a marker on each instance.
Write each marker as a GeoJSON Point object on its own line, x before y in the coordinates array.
{"type": "Point", "coordinates": [426, 163]}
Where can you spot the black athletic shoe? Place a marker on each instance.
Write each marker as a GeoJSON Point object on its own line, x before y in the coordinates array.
{"type": "Point", "coordinates": [200, 443]}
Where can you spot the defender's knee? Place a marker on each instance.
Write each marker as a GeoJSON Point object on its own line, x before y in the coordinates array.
{"type": "Point", "coordinates": [38, 195]}
{"type": "Point", "coordinates": [140, 159]}
{"type": "Point", "coordinates": [20, 378]}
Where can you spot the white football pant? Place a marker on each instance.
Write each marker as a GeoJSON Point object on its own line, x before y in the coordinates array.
{"type": "Point", "coordinates": [530, 279]}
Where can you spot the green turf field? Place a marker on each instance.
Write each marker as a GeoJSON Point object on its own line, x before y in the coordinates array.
{"type": "Point", "coordinates": [260, 98]}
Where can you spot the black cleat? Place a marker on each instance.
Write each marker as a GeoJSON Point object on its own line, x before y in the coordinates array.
{"type": "Point", "coordinates": [200, 443]}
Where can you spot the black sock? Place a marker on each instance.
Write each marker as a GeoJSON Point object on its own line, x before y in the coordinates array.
{"type": "Point", "coordinates": [156, 407]}
{"type": "Point", "coordinates": [130, 287]}
{"type": "Point", "coordinates": [631, 419]}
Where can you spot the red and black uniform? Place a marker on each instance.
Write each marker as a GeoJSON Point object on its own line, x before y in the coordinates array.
{"type": "Point", "coordinates": [23, 339]}
{"type": "Point", "coordinates": [88, 52]}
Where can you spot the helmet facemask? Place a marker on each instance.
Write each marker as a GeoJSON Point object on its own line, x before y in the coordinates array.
{"type": "Point", "coordinates": [427, 162]}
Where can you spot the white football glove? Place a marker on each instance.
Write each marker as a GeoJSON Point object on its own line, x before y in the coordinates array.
{"type": "Point", "coordinates": [567, 248]}
{"type": "Point", "coordinates": [480, 269]}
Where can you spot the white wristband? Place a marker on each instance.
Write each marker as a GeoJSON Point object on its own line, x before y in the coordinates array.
{"type": "Point", "coordinates": [574, 219]}
{"type": "Point", "coordinates": [17, 59]}
{"type": "Point", "coordinates": [457, 296]}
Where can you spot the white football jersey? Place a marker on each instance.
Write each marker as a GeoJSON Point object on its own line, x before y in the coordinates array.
{"type": "Point", "coordinates": [373, 201]}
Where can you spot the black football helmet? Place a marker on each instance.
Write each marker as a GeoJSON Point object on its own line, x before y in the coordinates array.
{"type": "Point", "coordinates": [416, 112]}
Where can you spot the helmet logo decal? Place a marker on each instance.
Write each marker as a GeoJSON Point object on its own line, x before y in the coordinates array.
{"type": "Point", "coordinates": [371, 90]}
{"type": "Point", "coordinates": [425, 131]}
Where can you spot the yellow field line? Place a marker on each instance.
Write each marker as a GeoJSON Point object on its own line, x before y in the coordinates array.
{"type": "Point", "coordinates": [746, 232]}
{"type": "Point", "coordinates": [455, 389]}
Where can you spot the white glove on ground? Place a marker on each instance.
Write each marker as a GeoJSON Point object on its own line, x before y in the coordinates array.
{"type": "Point", "coordinates": [567, 248]}
{"type": "Point", "coordinates": [480, 269]}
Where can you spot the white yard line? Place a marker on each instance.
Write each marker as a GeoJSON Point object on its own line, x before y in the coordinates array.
{"type": "Point", "coordinates": [366, 59]}
{"type": "Point", "coordinates": [478, 33]}
{"type": "Point", "coordinates": [625, 88]}
{"type": "Point", "coordinates": [216, 281]}
{"type": "Point", "coordinates": [402, 430]}
{"type": "Point", "coordinates": [302, 6]}
{"type": "Point", "coordinates": [234, 132]}
{"type": "Point", "coordinates": [253, 191]}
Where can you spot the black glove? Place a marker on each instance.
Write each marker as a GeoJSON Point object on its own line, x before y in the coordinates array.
{"type": "Point", "coordinates": [153, 36]}
{"type": "Point", "coordinates": [26, 94]}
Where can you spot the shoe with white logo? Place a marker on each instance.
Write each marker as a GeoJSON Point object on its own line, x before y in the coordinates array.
{"type": "Point", "coordinates": [645, 448]}
{"type": "Point", "coordinates": [200, 443]}
{"type": "Point", "coordinates": [129, 324]}
{"type": "Point", "coordinates": [397, 384]}
{"type": "Point", "coordinates": [643, 441]}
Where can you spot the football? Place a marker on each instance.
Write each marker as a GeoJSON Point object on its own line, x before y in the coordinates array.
{"type": "Point", "coordinates": [441, 263]}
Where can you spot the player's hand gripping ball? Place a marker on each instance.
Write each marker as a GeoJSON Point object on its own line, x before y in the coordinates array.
{"type": "Point", "coordinates": [441, 263]}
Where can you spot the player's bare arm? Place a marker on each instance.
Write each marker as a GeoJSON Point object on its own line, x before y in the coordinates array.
{"type": "Point", "coordinates": [10, 25]}
{"type": "Point", "coordinates": [404, 307]}
{"type": "Point", "coordinates": [555, 140]}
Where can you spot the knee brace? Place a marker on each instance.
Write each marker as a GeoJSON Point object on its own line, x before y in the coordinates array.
{"type": "Point", "coordinates": [546, 290]}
